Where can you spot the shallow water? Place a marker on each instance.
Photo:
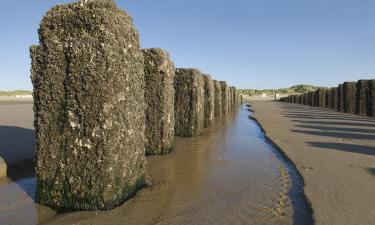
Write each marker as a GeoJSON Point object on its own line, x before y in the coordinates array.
{"type": "Point", "coordinates": [230, 175]}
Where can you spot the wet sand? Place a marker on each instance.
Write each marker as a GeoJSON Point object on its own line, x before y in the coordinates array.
{"type": "Point", "coordinates": [334, 152]}
{"type": "Point", "coordinates": [230, 175]}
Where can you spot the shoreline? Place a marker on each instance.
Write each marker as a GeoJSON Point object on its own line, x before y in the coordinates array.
{"type": "Point", "coordinates": [333, 196]}
{"type": "Point", "coordinates": [297, 174]}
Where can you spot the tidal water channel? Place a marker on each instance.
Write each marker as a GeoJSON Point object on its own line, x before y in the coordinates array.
{"type": "Point", "coordinates": [230, 175]}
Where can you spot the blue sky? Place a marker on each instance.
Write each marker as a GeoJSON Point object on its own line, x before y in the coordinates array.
{"type": "Point", "coordinates": [249, 43]}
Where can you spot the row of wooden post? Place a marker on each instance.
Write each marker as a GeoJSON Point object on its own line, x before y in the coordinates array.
{"type": "Point", "coordinates": [102, 104]}
{"type": "Point", "coordinates": [349, 97]}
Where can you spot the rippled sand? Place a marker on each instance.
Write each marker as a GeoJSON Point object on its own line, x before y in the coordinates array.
{"type": "Point", "coordinates": [230, 175]}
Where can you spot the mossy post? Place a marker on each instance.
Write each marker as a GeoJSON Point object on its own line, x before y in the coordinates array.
{"type": "Point", "coordinates": [87, 73]}
{"type": "Point", "coordinates": [229, 99]}
{"type": "Point", "coordinates": [340, 103]}
{"type": "Point", "coordinates": [348, 96]}
{"type": "Point", "coordinates": [234, 98]}
{"type": "Point", "coordinates": [327, 98]}
{"type": "Point", "coordinates": [372, 97]}
{"type": "Point", "coordinates": [362, 102]}
{"type": "Point", "coordinates": [321, 96]}
{"type": "Point", "coordinates": [231, 106]}
{"type": "Point", "coordinates": [309, 98]}
{"type": "Point", "coordinates": [312, 93]}
{"type": "Point", "coordinates": [239, 98]}
{"type": "Point", "coordinates": [334, 98]}
{"type": "Point", "coordinates": [189, 102]}
{"type": "Point", "coordinates": [224, 97]}
{"type": "Point", "coordinates": [3, 168]}
{"type": "Point", "coordinates": [218, 108]}
{"type": "Point", "coordinates": [159, 98]}
{"type": "Point", "coordinates": [316, 98]}
{"type": "Point", "coordinates": [306, 98]}
{"type": "Point", "coordinates": [209, 101]}
{"type": "Point", "coordinates": [312, 98]}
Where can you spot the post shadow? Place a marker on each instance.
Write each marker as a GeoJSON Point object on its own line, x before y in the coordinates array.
{"type": "Point", "coordinates": [354, 148]}
{"type": "Point", "coordinates": [335, 123]}
{"type": "Point", "coordinates": [371, 171]}
{"type": "Point", "coordinates": [324, 133]}
{"type": "Point", "coordinates": [340, 129]}
{"type": "Point", "coordinates": [17, 146]}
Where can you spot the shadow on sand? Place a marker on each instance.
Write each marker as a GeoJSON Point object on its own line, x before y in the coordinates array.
{"type": "Point", "coordinates": [371, 170]}
{"type": "Point", "coordinates": [17, 146]}
{"type": "Point", "coordinates": [329, 123]}
{"type": "Point", "coordinates": [362, 149]}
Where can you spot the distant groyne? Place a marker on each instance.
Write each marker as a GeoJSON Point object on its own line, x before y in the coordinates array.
{"type": "Point", "coordinates": [349, 97]}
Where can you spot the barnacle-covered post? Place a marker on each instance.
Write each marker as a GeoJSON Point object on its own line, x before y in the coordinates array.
{"type": "Point", "coordinates": [372, 97]}
{"type": "Point", "coordinates": [159, 97]}
{"type": "Point", "coordinates": [218, 108]}
{"type": "Point", "coordinates": [209, 101]}
{"type": "Point", "coordinates": [88, 78]}
{"type": "Point", "coordinates": [189, 102]}
{"type": "Point", "coordinates": [321, 97]}
{"type": "Point", "coordinates": [348, 97]}
{"type": "Point", "coordinates": [224, 97]}
{"type": "Point", "coordinates": [362, 102]}
{"type": "Point", "coordinates": [340, 103]}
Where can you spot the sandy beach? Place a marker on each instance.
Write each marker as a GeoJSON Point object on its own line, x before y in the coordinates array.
{"type": "Point", "coordinates": [334, 152]}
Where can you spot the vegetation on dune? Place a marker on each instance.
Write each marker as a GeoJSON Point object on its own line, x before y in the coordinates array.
{"type": "Point", "coordinates": [296, 89]}
{"type": "Point", "coordinates": [16, 92]}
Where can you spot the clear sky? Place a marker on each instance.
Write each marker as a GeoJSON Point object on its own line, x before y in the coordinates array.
{"type": "Point", "coordinates": [249, 43]}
